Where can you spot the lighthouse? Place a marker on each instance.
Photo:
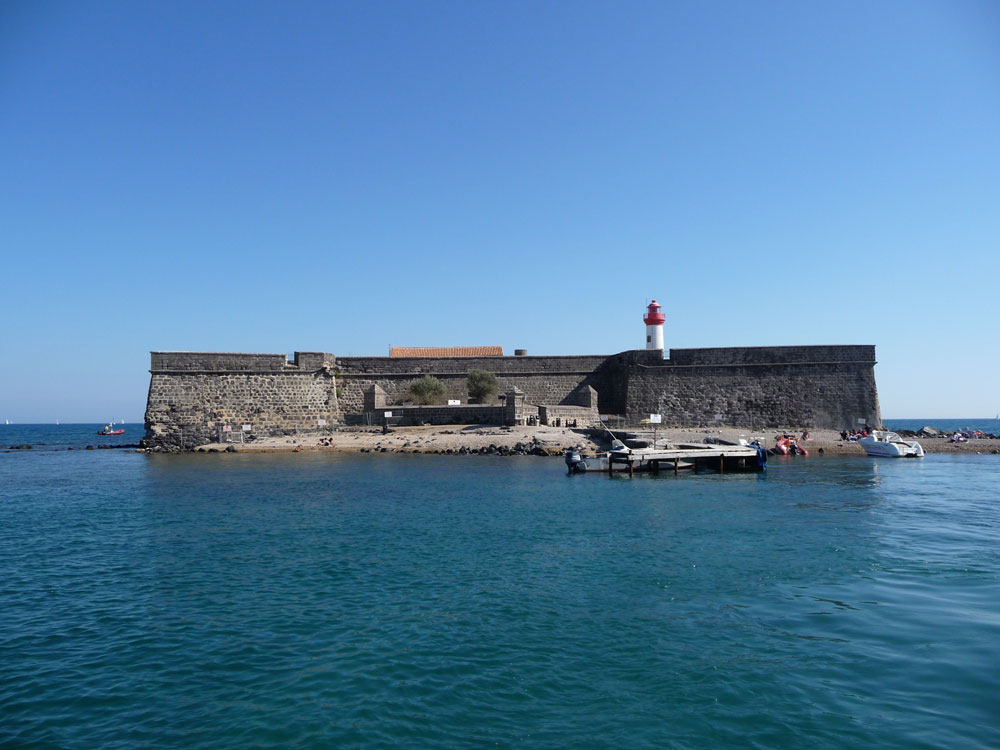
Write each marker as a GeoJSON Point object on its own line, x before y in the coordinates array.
{"type": "Point", "coordinates": [654, 320]}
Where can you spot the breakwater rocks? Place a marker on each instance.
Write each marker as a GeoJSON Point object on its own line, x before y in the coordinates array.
{"type": "Point", "coordinates": [531, 448]}
{"type": "Point", "coordinates": [933, 432]}
{"type": "Point", "coordinates": [466, 440]}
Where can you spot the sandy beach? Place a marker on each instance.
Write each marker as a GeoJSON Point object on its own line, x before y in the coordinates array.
{"type": "Point", "coordinates": [547, 441]}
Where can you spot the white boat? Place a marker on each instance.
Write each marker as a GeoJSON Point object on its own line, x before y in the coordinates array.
{"type": "Point", "coordinates": [890, 445]}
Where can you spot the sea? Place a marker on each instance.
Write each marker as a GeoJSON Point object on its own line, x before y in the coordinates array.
{"type": "Point", "coordinates": [385, 601]}
{"type": "Point", "coordinates": [990, 426]}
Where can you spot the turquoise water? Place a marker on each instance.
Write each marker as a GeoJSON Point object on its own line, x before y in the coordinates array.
{"type": "Point", "coordinates": [405, 601]}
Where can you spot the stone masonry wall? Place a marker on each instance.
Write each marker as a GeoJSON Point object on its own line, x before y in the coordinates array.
{"type": "Point", "coordinates": [411, 415]}
{"type": "Point", "coordinates": [190, 395]}
{"type": "Point", "coordinates": [821, 387]}
{"type": "Point", "coordinates": [810, 386]}
{"type": "Point", "coordinates": [544, 380]}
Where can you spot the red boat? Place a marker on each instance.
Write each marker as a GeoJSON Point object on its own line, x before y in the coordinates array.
{"type": "Point", "coordinates": [110, 430]}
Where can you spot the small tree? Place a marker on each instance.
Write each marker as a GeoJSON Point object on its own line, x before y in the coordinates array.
{"type": "Point", "coordinates": [482, 386]}
{"type": "Point", "coordinates": [427, 390]}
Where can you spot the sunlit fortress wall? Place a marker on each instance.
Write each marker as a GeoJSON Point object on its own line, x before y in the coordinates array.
{"type": "Point", "coordinates": [192, 394]}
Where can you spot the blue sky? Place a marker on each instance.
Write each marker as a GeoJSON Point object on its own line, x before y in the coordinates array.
{"type": "Point", "coordinates": [349, 176]}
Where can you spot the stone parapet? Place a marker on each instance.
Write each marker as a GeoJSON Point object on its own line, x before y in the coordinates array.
{"type": "Point", "coordinates": [771, 355]}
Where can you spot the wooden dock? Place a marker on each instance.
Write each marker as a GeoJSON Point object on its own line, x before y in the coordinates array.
{"type": "Point", "coordinates": [721, 458]}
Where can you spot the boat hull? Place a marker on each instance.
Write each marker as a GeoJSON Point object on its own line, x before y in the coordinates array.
{"type": "Point", "coordinates": [891, 446]}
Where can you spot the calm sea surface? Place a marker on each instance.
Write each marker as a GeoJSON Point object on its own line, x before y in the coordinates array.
{"type": "Point", "coordinates": [991, 426]}
{"type": "Point", "coordinates": [410, 601]}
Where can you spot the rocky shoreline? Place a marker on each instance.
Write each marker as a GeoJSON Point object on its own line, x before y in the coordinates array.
{"type": "Point", "coordinates": [549, 441]}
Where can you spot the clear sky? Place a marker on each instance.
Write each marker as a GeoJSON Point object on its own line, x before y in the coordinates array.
{"type": "Point", "coordinates": [343, 177]}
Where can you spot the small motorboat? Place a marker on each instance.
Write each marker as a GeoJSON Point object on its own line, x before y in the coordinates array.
{"type": "Point", "coordinates": [788, 447]}
{"type": "Point", "coordinates": [110, 430]}
{"type": "Point", "coordinates": [890, 445]}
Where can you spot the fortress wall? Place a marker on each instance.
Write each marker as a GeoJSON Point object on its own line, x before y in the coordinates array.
{"type": "Point", "coordinates": [816, 386]}
{"type": "Point", "coordinates": [437, 366]}
{"type": "Point", "coordinates": [758, 355]}
{"type": "Point", "coordinates": [416, 415]}
{"type": "Point", "coordinates": [191, 394]}
{"type": "Point", "coordinates": [538, 388]}
{"type": "Point", "coordinates": [234, 362]}
{"type": "Point", "coordinates": [544, 380]}
{"type": "Point", "coordinates": [821, 387]}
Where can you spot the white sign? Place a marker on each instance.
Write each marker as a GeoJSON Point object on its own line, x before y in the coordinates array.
{"type": "Point", "coordinates": [718, 417]}
{"type": "Point", "coordinates": [227, 428]}
{"type": "Point", "coordinates": [655, 418]}
{"type": "Point", "coordinates": [246, 428]}
{"type": "Point", "coordinates": [861, 420]}
{"type": "Point", "coordinates": [388, 414]}
{"type": "Point", "coordinates": [604, 417]}
{"type": "Point", "coordinates": [454, 402]}
{"type": "Point", "coordinates": [321, 422]}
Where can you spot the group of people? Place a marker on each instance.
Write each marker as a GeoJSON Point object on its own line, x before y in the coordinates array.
{"type": "Point", "coordinates": [853, 435]}
{"type": "Point", "coordinates": [962, 436]}
{"type": "Point", "coordinates": [968, 433]}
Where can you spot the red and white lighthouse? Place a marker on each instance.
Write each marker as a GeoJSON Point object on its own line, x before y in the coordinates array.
{"type": "Point", "coordinates": [654, 320]}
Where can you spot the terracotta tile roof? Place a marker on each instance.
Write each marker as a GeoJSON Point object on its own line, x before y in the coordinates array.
{"type": "Point", "coordinates": [445, 351]}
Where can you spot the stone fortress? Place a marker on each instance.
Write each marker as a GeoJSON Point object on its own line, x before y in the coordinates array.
{"type": "Point", "coordinates": [197, 397]}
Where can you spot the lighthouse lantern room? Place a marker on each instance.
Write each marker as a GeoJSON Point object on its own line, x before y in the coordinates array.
{"type": "Point", "coordinates": [654, 320]}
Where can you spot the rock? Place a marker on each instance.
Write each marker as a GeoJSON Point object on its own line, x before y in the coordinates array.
{"type": "Point", "coordinates": [230, 449]}
{"type": "Point", "coordinates": [929, 432]}
{"type": "Point", "coordinates": [90, 447]}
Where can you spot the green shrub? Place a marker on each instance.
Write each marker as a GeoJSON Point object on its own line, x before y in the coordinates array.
{"type": "Point", "coordinates": [427, 390]}
{"type": "Point", "coordinates": [483, 386]}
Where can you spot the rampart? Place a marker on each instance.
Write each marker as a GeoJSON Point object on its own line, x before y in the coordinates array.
{"type": "Point", "coordinates": [193, 394]}
{"type": "Point", "coordinates": [544, 380]}
{"type": "Point", "coordinates": [786, 386]}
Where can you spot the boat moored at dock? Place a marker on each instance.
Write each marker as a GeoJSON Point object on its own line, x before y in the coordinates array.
{"type": "Point", "coordinates": [694, 457]}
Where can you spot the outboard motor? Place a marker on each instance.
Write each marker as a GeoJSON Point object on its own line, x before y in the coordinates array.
{"type": "Point", "coordinates": [574, 462]}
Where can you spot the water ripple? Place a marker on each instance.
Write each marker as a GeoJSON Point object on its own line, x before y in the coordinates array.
{"type": "Point", "coordinates": [306, 601]}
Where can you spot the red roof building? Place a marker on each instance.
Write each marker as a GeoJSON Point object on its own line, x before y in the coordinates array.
{"type": "Point", "coordinates": [445, 351]}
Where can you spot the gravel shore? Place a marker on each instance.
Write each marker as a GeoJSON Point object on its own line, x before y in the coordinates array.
{"type": "Point", "coordinates": [549, 441]}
